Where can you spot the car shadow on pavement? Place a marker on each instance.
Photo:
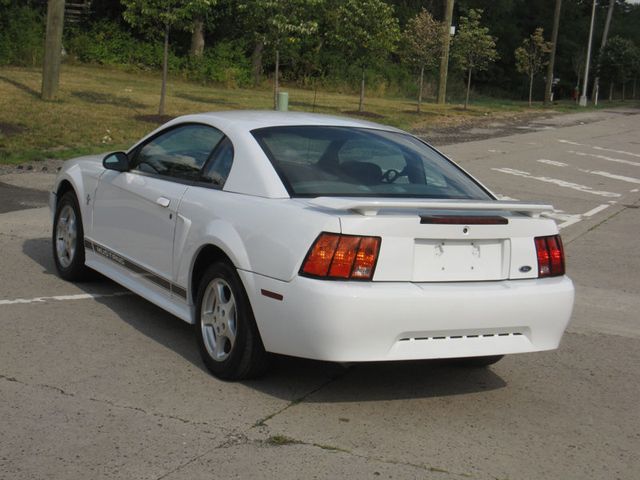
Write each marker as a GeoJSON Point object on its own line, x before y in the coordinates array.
{"type": "Point", "coordinates": [291, 379]}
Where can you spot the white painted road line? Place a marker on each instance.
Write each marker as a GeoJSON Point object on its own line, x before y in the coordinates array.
{"type": "Point", "coordinates": [553, 162]}
{"type": "Point", "coordinates": [560, 183]}
{"type": "Point", "coordinates": [573, 219]}
{"type": "Point", "coordinates": [604, 157]}
{"type": "Point", "coordinates": [598, 209]}
{"type": "Point", "coordinates": [612, 176]}
{"type": "Point", "coordinates": [59, 298]}
{"type": "Point", "coordinates": [596, 147]}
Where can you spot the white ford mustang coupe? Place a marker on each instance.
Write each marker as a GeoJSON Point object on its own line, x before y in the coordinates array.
{"type": "Point", "coordinates": [317, 237]}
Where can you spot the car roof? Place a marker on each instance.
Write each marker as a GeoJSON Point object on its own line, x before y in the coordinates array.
{"type": "Point", "coordinates": [252, 119]}
{"type": "Point", "coordinates": [252, 172]}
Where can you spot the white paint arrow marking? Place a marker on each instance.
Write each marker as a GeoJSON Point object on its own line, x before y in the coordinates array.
{"type": "Point", "coordinates": [596, 147]}
{"type": "Point", "coordinates": [61, 298]}
{"type": "Point", "coordinates": [553, 162]}
{"type": "Point", "coordinates": [612, 175]}
{"type": "Point", "coordinates": [560, 183]}
{"type": "Point", "coordinates": [604, 157]}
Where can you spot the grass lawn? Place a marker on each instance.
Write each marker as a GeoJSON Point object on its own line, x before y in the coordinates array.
{"type": "Point", "coordinates": [100, 109]}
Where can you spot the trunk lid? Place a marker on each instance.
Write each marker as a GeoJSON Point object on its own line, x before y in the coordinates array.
{"type": "Point", "coordinates": [446, 241]}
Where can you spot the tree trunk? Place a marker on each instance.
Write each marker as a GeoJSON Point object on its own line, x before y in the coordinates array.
{"type": "Point", "coordinates": [361, 104]}
{"type": "Point", "coordinates": [611, 91]}
{"type": "Point", "coordinates": [552, 55]}
{"type": "Point", "coordinates": [197, 38]}
{"type": "Point", "coordinates": [256, 62]}
{"type": "Point", "coordinates": [634, 87]}
{"type": "Point", "coordinates": [530, 87]}
{"type": "Point", "coordinates": [605, 34]}
{"type": "Point", "coordinates": [420, 88]}
{"type": "Point", "coordinates": [276, 85]}
{"type": "Point", "coordinates": [165, 69]}
{"type": "Point", "coordinates": [52, 49]}
{"type": "Point", "coordinates": [624, 89]}
{"type": "Point", "coordinates": [466, 99]}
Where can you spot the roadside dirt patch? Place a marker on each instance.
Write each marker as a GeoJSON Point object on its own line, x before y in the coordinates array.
{"type": "Point", "coordinates": [107, 99]}
{"type": "Point", "coordinates": [50, 165]}
{"type": "Point", "coordinates": [468, 129]}
{"type": "Point", "coordinates": [8, 129]}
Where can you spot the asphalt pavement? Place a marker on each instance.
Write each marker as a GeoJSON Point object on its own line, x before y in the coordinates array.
{"type": "Point", "coordinates": [98, 383]}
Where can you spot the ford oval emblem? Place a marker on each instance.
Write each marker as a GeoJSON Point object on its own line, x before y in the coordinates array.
{"type": "Point", "coordinates": [525, 268]}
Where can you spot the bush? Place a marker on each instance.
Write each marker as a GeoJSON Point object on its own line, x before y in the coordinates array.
{"type": "Point", "coordinates": [224, 63]}
{"type": "Point", "coordinates": [106, 43]}
{"type": "Point", "coordinates": [21, 35]}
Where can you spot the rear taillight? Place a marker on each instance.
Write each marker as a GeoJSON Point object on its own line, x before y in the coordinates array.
{"type": "Point", "coordinates": [346, 257]}
{"type": "Point", "coordinates": [550, 256]}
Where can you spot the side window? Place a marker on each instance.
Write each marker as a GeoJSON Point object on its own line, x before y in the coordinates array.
{"type": "Point", "coordinates": [179, 153]}
{"type": "Point", "coordinates": [217, 169]}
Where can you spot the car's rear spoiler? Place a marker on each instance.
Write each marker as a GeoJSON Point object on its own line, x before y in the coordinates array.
{"type": "Point", "coordinates": [366, 206]}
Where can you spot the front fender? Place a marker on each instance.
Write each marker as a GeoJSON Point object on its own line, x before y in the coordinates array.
{"type": "Point", "coordinates": [82, 174]}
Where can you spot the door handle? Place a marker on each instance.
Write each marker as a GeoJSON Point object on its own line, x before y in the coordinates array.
{"type": "Point", "coordinates": [163, 202]}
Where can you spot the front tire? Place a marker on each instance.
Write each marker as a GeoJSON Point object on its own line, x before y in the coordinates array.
{"type": "Point", "coordinates": [227, 335]}
{"type": "Point", "coordinates": [68, 239]}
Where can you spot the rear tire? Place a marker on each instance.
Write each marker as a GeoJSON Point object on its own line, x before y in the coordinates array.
{"type": "Point", "coordinates": [476, 362]}
{"type": "Point", "coordinates": [226, 331]}
{"type": "Point", "coordinates": [68, 240]}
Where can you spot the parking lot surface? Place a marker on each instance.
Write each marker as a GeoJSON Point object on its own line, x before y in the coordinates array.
{"type": "Point", "coordinates": [98, 383]}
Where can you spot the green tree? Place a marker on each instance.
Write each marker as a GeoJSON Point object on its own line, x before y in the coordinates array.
{"type": "Point", "coordinates": [421, 45]}
{"type": "Point", "coordinates": [278, 24]}
{"type": "Point", "coordinates": [473, 48]}
{"type": "Point", "coordinates": [532, 56]}
{"type": "Point", "coordinates": [366, 32]}
{"type": "Point", "coordinates": [617, 63]}
{"type": "Point", "coordinates": [159, 17]}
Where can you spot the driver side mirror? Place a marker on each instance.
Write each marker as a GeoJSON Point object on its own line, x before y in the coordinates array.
{"type": "Point", "coordinates": [118, 161]}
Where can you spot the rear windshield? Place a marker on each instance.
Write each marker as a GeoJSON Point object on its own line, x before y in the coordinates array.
{"type": "Point", "coordinates": [317, 161]}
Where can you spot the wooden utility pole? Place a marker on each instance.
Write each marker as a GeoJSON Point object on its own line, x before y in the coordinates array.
{"type": "Point", "coordinates": [52, 49]}
{"type": "Point", "coordinates": [444, 61]}
{"type": "Point", "coordinates": [552, 57]}
{"type": "Point", "coordinates": [605, 34]}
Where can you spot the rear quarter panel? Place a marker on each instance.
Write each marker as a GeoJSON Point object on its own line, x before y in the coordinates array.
{"type": "Point", "coordinates": [269, 237]}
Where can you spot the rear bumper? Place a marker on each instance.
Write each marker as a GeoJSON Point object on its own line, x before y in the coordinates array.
{"type": "Point", "coordinates": [355, 322]}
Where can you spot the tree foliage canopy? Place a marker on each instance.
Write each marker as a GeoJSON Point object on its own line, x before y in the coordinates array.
{"type": "Point", "coordinates": [421, 45]}
{"type": "Point", "coordinates": [366, 31]}
{"type": "Point", "coordinates": [619, 60]}
{"type": "Point", "coordinates": [279, 22]}
{"type": "Point", "coordinates": [532, 55]}
{"type": "Point", "coordinates": [473, 47]}
{"type": "Point", "coordinates": [167, 14]}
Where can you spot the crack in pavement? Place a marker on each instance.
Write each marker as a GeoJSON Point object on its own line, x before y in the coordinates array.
{"type": "Point", "coordinates": [605, 220]}
{"type": "Point", "coordinates": [108, 402]}
{"type": "Point", "coordinates": [262, 422]}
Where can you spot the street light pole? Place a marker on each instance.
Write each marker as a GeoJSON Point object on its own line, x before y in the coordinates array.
{"type": "Point", "coordinates": [583, 98]}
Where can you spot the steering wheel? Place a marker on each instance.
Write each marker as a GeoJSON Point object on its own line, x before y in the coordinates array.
{"type": "Point", "coordinates": [390, 176]}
